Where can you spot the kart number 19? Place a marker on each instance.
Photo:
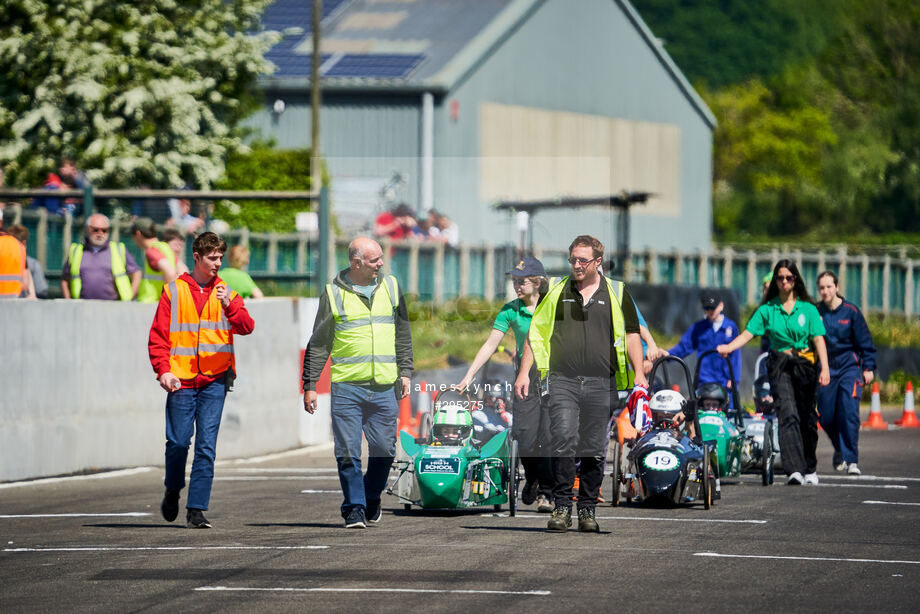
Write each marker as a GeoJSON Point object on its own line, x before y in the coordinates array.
{"type": "Point", "coordinates": [660, 460]}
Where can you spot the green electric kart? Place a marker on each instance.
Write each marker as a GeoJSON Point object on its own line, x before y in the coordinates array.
{"type": "Point", "coordinates": [443, 469]}
{"type": "Point", "coordinates": [742, 442]}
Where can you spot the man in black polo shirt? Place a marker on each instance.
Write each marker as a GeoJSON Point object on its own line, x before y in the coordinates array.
{"type": "Point", "coordinates": [582, 336]}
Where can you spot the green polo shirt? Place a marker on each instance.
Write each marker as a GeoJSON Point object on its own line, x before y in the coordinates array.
{"type": "Point", "coordinates": [787, 331]}
{"type": "Point", "coordinates": [516, 316]}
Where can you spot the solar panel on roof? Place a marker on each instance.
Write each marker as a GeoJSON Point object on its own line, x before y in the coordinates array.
{"type": "Point", "coordinates": [292, 64]}
{"type": "Point", "coordinates": [283, 14]}
{"type": "Point", "coordinates": [375, 66]}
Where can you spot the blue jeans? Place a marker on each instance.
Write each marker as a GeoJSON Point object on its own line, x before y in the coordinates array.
{"type": "Point", "coordinates": [195, 410]}
{"type": "Point", "coordinates": [373, 411]}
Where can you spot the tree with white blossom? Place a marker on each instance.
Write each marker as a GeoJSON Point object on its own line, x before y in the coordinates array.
{"type": "Point", "coordinates": [147, 92]}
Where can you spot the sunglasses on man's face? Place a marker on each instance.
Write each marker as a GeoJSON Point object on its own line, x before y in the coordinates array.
{"type": "Point", "coordinates": [94, 229]}
{"type": "Point", "coordinates": [581, 261]}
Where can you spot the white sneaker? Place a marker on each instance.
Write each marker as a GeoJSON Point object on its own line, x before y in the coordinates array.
{"type": "Point", "coordinates": [841, 467]}
{"type": "Point", "coordinates": [852, 469]}
{"type": "Point", "coordinates": [811, 478]}
{"type": "Point", "coordinates": [795, 479]}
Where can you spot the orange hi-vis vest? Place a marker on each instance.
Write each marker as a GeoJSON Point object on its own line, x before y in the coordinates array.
{"type": "Point", "coordinates": [12, 266]}
{"type": "Point", "coordinates": [198, 344]}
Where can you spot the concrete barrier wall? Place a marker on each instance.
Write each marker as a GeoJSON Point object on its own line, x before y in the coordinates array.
{"type": "Point", "coordinates": [77, 391]}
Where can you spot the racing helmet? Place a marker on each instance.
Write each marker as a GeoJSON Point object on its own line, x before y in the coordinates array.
{"type": "Point", "coordinates": [712, 396]}
{"type": "Point", "coordinates": [453, 425]}
{"type": "Point", "coordinates": [763, 395]}
{"type": "Point", "coordinates": [494, 391]}
{"type": "Point", "coordinates": [665, 405]}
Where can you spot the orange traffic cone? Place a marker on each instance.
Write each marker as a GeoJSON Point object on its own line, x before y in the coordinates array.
{"type": "Point", "coordinates": [406, 423]}
{"type": "Point", "coordinates": [908, 418]}
{"type": "Point", "coordinates": [875, 420]}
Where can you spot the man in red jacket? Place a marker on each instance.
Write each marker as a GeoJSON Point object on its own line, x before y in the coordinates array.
{"type": "Point", "coordinates": [191, 350]}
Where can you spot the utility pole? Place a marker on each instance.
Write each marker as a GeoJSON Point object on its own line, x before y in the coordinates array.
{"type": "Point", "coordinates": [315, 100]}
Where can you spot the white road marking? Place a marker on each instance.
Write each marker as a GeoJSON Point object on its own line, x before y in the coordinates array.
{"type": "Point", "coordinates": [262, 478]}
{"type": "Point", "coordinates": [867, 478]}
{"type": "Point", "coordinates": [119, 515]}
{"type": "Point", "coordinates": [803, 558]}
{"type": "Point", "coordinates": [278, 455]}
{"type": "Point", "coordinates": [889, 503]}
{"type": "Point", "coordinates": [649, 518]}
{"type": "Point", "coordinates": [325, 492]}
{"type": "Point", "coordinates": [888, 486]}
{"type": "Point", "coordinates": [281, 470]}
{"type": "Point", "coordinates": [455, 591]}
{"type": "Point", "coordinates": [74, 478]}
{"type": "Point", "coordinates": [159, 548]}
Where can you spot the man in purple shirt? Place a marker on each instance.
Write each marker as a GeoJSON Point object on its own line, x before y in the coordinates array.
{"type": "Point", "coordinates": [99, 269]}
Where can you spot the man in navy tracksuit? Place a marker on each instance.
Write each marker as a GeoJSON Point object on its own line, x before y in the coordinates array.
{"type": "Point", "coordinates": [713, 330]}
{"type": "Point", "coordinates": [851, 355]}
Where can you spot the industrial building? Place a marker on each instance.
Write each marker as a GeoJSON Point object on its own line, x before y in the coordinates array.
{"type": "Point", "coordinates": [460, 104]}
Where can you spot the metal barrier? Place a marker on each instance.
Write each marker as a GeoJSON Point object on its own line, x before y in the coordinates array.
{"type": "Point", "coordinates": [878, 280]}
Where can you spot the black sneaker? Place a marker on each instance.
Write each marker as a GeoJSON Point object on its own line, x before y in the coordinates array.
{"type": "Point", "coordinates": [170, 505]}
{"type": "Point", "coordinates": [356, 519]}
{"type": "Point", "coordinates": [586, 520]}
{"type": "Point", "coordinates": [560, 521]}
{"type": "Point", "coordinates": [529, 492]}
{"type": "Point", "coordinates": [374, 513]}
{"type": "Point", "coordinates": [194, 519]}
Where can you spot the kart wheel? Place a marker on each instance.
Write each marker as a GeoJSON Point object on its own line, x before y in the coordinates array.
{"type": "Point", "coordinates": [705, 485]}
{"type": "Point", "coordinates": [424, 427]}
{"type": "Point", "coordinates": [407, 506]}
{"type": "Point", "coordinates": [496, 508]}
{"type": "Point", "coordinates": [615, 475]}
{"type": "Point", "coordinates": [513, 462]}
{"type": "Point", "coordinates": [766, 454]}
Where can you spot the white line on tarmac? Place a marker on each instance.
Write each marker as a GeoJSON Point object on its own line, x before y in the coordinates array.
{"type": "Point", "coordinates": [455, 591]}
{"type": "Point", "coordinates": [325, 492]}
{"type": "Point", "coordinates": [120, 515]}
{"type": "Point", "coordinates": [278, 455]}
{"type": "Point", "coordinates": [802, 558]}
{"type": "Point", "coordinates": [867, 478]}
{"type": "Point", "coordinates": [73, 478]}
{"type": "Point", "coordinates": [281, 470]}
{"type": "Point", "coordinates": [159, 548]}
{"type": "Point", "coordinates": [889, 503]}
{"type": "Point", "coordinates": [889, 486]}
{"type": "Point", "coordinates": [262, 478]}
{"type": "Point", "coordinates": [651, 518]}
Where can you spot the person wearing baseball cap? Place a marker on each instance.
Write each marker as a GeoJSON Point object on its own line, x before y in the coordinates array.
{"type": "Point", "coordinates": [530, 425]}
{"type": "Point", "coordinates": [713, 330]}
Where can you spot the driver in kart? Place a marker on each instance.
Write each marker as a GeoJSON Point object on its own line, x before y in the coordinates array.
{"type": "Point", "coordinates": [453, 426]}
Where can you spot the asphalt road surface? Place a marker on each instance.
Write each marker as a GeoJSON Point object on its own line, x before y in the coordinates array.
{"type": "Point", "coordinates": [847, 545]}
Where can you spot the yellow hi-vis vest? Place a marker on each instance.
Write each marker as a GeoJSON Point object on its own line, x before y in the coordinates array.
{"type": "Point", "coordinates": [119, 270]}
{"type": "Point", "coordinates": [544, 320]}
{"type": "Point", "coordinates": [198, 343]}
{"type": "Point", "coordinates": [152, 284]}
{"type": "Point", "coordinates": [364, 345]}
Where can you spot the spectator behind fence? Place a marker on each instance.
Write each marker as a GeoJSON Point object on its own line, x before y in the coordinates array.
{"type": "Point", "coordinates": [442, 229]}
{"type": "Point", "coordinates": [159, 261]}
{"type": "Point", "coordinates": [98, 268]}
{"type": "Point", "coordinates": [176, 241]}
{"type": "Point", "coordinates": [39, 283]}
{"type": "Point", "coordinates": [156, 209]}
{"type": "Point", "coordinates": [68, 177]}
{"type": "Point", "coordinates": [236, 276]}
{"type": "Point", "coordinates": [183, 218]}
{"type": "Point", "coordinates": [14, 275]}
{"type": "Point", "coordinates": [396, 224]}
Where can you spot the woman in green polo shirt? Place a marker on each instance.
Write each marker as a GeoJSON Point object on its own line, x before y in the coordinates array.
{"type": "Point", "coordinates": [530, 426]}
{"type": "Point", "coordinates": [792, 324]}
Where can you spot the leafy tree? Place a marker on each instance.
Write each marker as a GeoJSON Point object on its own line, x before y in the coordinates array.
{"type": "Point", "coordinates": [265, 168]}
{"type": "Point", "coordinates": [140, 93]}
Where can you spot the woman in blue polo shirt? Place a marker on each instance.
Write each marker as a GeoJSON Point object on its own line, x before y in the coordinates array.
{"type": "Point", "coordinates": [530, 426]}
{"type": "Point", "coordinates": [791, 322]}
{"type": "Point", "coordinates": [852, 361]}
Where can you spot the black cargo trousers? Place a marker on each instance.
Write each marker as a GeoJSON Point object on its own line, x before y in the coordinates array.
{"type": "Point", "coordinates": [579, 414]}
